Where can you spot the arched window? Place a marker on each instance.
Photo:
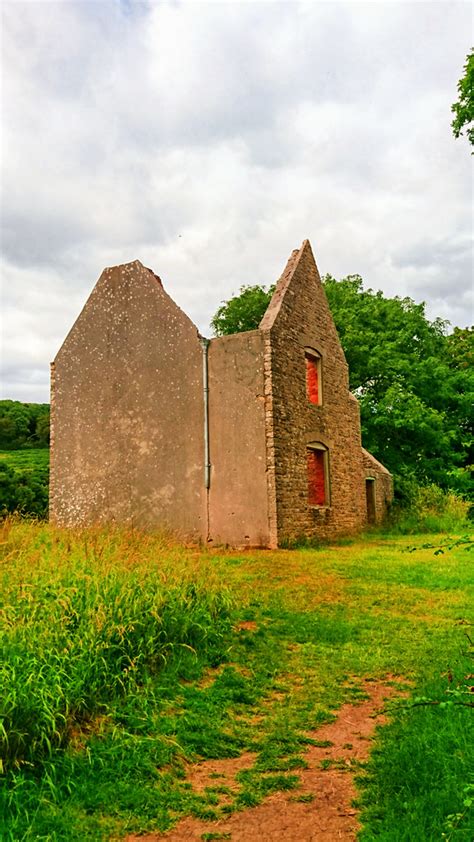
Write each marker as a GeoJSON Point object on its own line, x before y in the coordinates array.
{"type": "Point", "coordinates": [314, 386]}
{"type": "Point", "coordinates": [317, 456]}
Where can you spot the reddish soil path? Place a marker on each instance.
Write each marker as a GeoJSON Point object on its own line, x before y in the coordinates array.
{"type": "Point", "coordinates": [280, 818]}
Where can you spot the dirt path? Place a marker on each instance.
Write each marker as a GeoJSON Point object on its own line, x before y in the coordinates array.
{"type": "Point", "coordinates": [327, 813]}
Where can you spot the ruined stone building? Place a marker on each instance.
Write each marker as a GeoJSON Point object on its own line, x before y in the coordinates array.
{"type": "Point", "coordinates": [250, 439]}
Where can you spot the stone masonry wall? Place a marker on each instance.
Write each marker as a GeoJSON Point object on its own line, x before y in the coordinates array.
{"type": "Point", "coordinates": [383, 484]}
{"type": "Point", "coordinates": [298, 317]}
{"type": "Point", "coordinates": [238, 507]}
{"type": "Point", "coordinates": [127, 410]}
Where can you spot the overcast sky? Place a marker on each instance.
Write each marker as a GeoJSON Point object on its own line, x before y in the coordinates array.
{"type": "Point", "coordinates": [209, 139]}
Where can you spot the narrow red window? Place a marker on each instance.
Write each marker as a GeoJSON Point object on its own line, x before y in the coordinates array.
{"type": "Point", "coordinates": [316, 477]}
{"type": "Point", "coordinates": [312, 379]}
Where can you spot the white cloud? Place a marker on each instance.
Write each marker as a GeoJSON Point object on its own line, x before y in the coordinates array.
{"type": "Point", "coordinates": [208, 139]}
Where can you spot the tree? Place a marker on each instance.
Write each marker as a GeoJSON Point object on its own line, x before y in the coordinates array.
{"type": "Point", "coordinates": [242, 312]}
{"type": "Point", "coordinates": [460, 348]}
{"type": "Point", "coordinates": [23, 425]}
{"type": "Point", "coordinates": [23, 491]}
{"type": "Point", "coordinates": [410, 377]}
{"type": "Point", "coordinates": [14, 424]}
{"type": "Point", "coordinates": [42, 428]}
{"type": "Point", "coordinates": [464, 108]}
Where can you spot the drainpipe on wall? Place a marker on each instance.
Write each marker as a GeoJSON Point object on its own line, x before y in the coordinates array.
{"type": "Point", "coordinates": [205, 384]}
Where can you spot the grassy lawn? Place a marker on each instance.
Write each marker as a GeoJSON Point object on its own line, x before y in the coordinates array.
{"type": "Point", "coordinates": [34, 459]}
{"type": "Point", "coordinates": [128, 658]}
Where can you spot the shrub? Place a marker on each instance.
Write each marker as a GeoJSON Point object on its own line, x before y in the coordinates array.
{"type": "Point", "coordinates": [23, 491]}
{"type": "Point", "coordinates": [428, 509]}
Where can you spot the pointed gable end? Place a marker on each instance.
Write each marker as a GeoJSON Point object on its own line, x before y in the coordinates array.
{"type": "Point", "coordinates": [313, 429]}
{"type": "Point", "coordinates": [121, 294]}
{"type": "Point", "coordinates": [299, 305]}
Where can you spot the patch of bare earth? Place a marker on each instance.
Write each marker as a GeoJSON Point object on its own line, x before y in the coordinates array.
{"type": "Point", "coordinates": [327, 785]}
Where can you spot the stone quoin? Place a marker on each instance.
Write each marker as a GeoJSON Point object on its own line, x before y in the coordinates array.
{"type": "Point", "coordinates": [251, 439]}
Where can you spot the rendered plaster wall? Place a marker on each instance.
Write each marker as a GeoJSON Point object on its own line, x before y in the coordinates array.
{"type": "Point", "coordinates": [298, 316]}
{"type": "Point", "coordinates": [238, 507]}
{"type": "Point", "coordinates": [383, 484]}
{"type": "Point", "coordinates": [127, 410]}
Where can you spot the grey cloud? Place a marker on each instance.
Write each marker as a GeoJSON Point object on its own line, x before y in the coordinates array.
{"type": "Point", "coordinates": [208, 140]}
{"type": "Point", "coordinates": [441, 272]}
{"type": "Point", "coordinates": [26, 385]}
{"type": "Point", "coordinates": [30, 240]}
{"type": "Point", "coordinates": [426, 254]}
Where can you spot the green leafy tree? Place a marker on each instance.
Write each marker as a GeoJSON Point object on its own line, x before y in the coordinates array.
{"type": "Point", "coordinates": [414, 389]}
{"type": "Point", "coordinates": [460, 348]}
{"type": "Point", "coordinates": [23, 425]}
{"type": "Point", "coordinates": [42, 428]}
{"type": "Point", "coordinates": [14, 424]}
{"type": "Point", "coordinates": [242, 312]}
{"type": "Point", "coordinates": [464, 108]}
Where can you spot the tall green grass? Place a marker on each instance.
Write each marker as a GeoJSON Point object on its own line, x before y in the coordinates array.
{"type": "Point", "coordinates": [83, 624]}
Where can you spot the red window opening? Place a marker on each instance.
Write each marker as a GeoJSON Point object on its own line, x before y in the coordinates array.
{"type": "Point", "coordinates": [316, 477]}
{"type": "Point", "coordinates": [312, 380]}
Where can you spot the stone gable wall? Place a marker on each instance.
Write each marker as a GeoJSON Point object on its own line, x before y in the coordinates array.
{"type": "Point", "coordinates": [299, 317]}
{"type": "Point", "coordinates": [127, 411]}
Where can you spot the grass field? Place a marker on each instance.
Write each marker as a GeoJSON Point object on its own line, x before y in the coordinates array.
{"type": "Point", "coordinates": [34, 459]}
{"type": "Point", "coordinates": [127, 658]}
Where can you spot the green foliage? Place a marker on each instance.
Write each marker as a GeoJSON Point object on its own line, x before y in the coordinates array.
{"type": "Point", "coordinates": [24, 482]}
{"type": "Point", "coordinates": [463, 109]}
{"type": "Point", "coordinates": [242, 312]}
{"type": "Point", "coordinates": [428, 509]}
{"type": "Point", "coordinates": [414, 383]}
{"type": "Point", "coordinates": [23, 425]}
